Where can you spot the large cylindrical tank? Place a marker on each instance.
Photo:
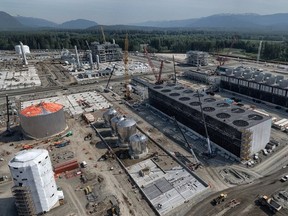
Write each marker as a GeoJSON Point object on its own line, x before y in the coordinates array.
{"type": "Point", "coordinates": [43, 120]}
{"type": "Point", "coordinates": [125, 129]}
{"type": "Point", "coordinates": [114, 122]}
{"type": "Point", "coordinates": [19, 51]}
{"type": "Point", "coordinates": [138, 145]}
{"type": "Point", "coordinates": [33, 178]}
{"type": "Point", "coordinates": [108, 115]}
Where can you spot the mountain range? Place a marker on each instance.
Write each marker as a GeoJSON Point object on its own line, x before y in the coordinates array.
{"type": "Point", "coordinates": [8, 22]}
{"type": "Point", "coordinates": [273, 22]}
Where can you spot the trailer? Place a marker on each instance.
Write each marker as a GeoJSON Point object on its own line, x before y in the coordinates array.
{"type": "Point", "coordinates": [280, 124]}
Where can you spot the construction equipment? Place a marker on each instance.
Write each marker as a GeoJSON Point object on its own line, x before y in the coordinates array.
{"type": "Point", "coordinates": [88, 137]}
{"type": "Point", "coordinates": [174, 66]}
{"type": "Point", "coordinates": [205, 127]}
{"type": "Point", "coordinates": [270, 203]}
{"type": "Point", "coordinates": [197, 164]}
{"type": "Point", "coordinates": [221, 198]}
{"type": "Point", "coordinates": [150, 63]}
{"type": "Point", "coordinates": [106, 88]}
{"type": "Point", "coordinates": [159, 81]}
{"type": "Point", "coordinates": [114, 211]}
{"type": "Point", "coordinates": [223, 59]}
{"type": "Point", "coordinates": [127, 94]}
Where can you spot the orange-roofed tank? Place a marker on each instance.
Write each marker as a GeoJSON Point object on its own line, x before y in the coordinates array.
{"type": "Point", "coordinates": [43, 120]}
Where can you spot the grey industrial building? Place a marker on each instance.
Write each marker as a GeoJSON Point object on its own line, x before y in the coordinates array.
{"type": "Point", "coordinates": [197, 58]}
{"type": "Point", "coordinates": [255, 84]}
{"type": "Point", "coordinates": [107, 52]}
{"type": "Point", "coordinates": [239, 131]}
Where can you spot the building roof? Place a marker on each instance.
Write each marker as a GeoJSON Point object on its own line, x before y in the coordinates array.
{"type": "Point", "coordinates": [42, 108]}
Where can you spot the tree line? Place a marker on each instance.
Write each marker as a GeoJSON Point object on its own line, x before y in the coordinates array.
{"type": "Point", "coordinates": [274, 47]}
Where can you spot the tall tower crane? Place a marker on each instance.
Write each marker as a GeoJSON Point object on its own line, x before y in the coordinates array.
{"type": "Point", "coordinates": [159, 81]}
{"type": "Point", "coordinates": [127, 94]}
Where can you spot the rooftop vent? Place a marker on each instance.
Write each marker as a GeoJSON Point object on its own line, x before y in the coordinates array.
{"type": "Point", "coordinates": [187, 91]}
{"type": "Point", "coordinates": [174, 94]}
{"type": "Point", "coordinates": [184, 98]}
{"type": "Point", "coordinates": [237, 110]}
{"type": "Point", "coordinates": [208, 109]}
{"type": "Point", "coordinates": [178, 88]}
{"type": "Point", "coordinates": [223, 115]}
{"type": "Point", "coordinates": [209, 99]}
{"type": "Point", "coordinates": [255, 117]}
{"type": "Point", "coordinates": [166, 90]}
{"type": "Point", "coordinates": [195, 103]}
{"type": "Point", "coordinates": [223, 105]}
{"type": "Point", "coordinates": [240, 123]}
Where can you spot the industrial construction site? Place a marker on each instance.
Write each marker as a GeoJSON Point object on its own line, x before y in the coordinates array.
{"type": "Point", "coordinates": [106, 131]}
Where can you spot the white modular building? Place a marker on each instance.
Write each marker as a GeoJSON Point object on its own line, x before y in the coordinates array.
{"type": "Point", "coordinates": [35, 189]}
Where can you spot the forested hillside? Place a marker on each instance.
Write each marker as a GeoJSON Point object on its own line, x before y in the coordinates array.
{"type": "Point", "coordinates": [275, 46]}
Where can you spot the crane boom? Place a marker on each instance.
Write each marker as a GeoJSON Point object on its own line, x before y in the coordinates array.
{"type": "Point", "coordinates": [187, 143]}
{"type": "Point", "coordinates": [175, 77]}
{"type": "Point", "coordinates": [127, 95]}
{"type": "Point", "coordinates": [110, 77]}
{"type": "Point", "coordinates": [159, 81]}
{"type": "Point", "coordinates": [150, 62]}
{"type": "Point", "coordinates": [205, 126]}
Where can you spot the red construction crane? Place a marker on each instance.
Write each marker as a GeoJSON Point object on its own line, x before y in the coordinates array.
{"type": "Point", "coordinates": [223, 59]}
{"type": "Point", "coordinates": [157, 76]}
{"type": "Point", "coordinates": [150, 63]}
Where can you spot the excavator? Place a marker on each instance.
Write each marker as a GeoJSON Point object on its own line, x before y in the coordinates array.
{"type": "Point", "coordinates": [221, 198]}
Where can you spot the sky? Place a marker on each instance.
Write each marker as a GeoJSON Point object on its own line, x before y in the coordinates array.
{"type": "Point", "coordinates": [109, 12]}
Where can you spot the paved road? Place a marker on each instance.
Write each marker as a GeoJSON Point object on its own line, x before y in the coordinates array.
{"type": "Point", "coordinates": [246, 194]}
{"type": "Point", "coordinates": [73, 197]}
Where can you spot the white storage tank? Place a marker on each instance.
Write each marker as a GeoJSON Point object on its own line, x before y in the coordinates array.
{"type": "Point", "coordinates": [19, 51]}
{"type": "Point", "coordinates": [43, 120]}
{"type": "Point", "coordinates": [114, 122]}
{"type": "Point", "coordinates": [34, 184]}
{"type": "Point", "coordinates": [138, 146]}
{"type": "Point", "coordinates": [108, 115]}
{"type": "Point", "coordinates": [125, 129]}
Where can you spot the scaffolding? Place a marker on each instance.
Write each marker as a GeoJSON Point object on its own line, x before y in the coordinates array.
{"type": "Point", "coordinates": [24, 201]}
{"type": "Point", "coordinates": [107, 52]}
{"type": "Point", "coordinates": [197, 58]}
{"type": "Point", "coordinates": [246, 145]}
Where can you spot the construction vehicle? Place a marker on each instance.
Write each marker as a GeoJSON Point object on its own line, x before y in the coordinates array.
{"type": "Point", "coordinates": [270, 203]}
{"type": "Point", "coordinates": [88, 137]}
{"type": "Point", "coordinates": [114, 211]}
{"type": "Point", "coordinates": [106, 88]}
{"type": "Point", "coordinates": [87, 190]}
{"type": "Point", "coordinates": [221, 198]}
